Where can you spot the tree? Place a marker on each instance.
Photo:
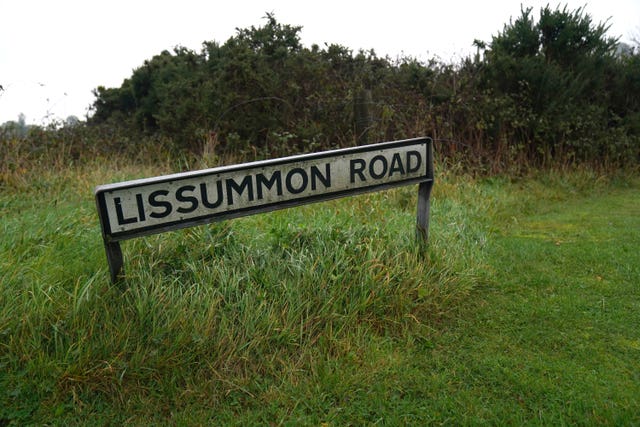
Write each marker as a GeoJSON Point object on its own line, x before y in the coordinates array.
{"type": "Point", "coordinates": [552, 74]}
{"type": "Point", "coordinates": [260, 87]}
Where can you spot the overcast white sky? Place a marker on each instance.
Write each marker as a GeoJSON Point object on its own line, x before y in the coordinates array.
{"type": "Point", "coordinates": [54, 52]}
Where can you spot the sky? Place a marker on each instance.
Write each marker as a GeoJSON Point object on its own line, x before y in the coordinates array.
{"type": "Point", "coordinates": [53, 53]}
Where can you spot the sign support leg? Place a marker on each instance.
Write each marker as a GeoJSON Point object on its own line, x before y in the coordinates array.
{"type": "Point", "coordinates": [114, 259]}
{"type": "Point", "coordinates": [422, 225]}
{"type": "Point", "coordinates": [424, 203]}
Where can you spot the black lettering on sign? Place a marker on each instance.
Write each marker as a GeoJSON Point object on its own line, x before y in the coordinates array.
{"type": "Point", "coordinates": [120, 215]}
{"type": "Point", "coordinates": [205, 195]}
{"type": "Point", "coordinates": [140, 204]}
{"type": "Point", "coordinates": [246, 184]}
{"type": "Point", "coordinates": [154, 202]}
{"type": "Point", "coordinates": [289, 180]}
{"type": "Point", "coordinates": [356, 167]}
{"type": "Point", "coordinates": [382, 162]}
{"type": "Point", "coordinates": [189, 199]}
{"type": "Point", "coordinates": [396, 165]}
{"type": "Point", "coordinates": [380, 167]}
{"type": "Point", "coordinates": [144, 206]}
{"type": "Point", "coordinates": [416, 155]}
{"type": "Point", "coordinates": [316, 174]}
{"type": "Point", "coordinates": [261, 180]}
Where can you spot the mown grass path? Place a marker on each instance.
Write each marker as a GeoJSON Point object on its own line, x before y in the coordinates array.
{"type": "Point", "coordinates": [553, 337]}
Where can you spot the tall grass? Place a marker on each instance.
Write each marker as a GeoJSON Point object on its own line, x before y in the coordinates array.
{"type": "Point", "coordinates": [325, 313]}
{"type": "Point", "coordinates": [214, 310]}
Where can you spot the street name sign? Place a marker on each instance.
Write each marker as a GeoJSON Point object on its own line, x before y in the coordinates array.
{"type": "Point", "coordinates": [154, 205]}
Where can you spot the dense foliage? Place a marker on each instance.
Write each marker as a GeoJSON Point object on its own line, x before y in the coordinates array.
{"type": "Point", "coordinates": [560, 89]}
{"type": "Point", "coordinates": [261, 90]}
{"type": "Point", "coordinates": [545, 91]}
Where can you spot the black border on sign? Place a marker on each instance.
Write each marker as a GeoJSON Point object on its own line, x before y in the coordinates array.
{"type": "Point", "coordinates": [110, 236]}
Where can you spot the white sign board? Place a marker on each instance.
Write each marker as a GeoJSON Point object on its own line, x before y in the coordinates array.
{"type": "Point", "coordinates": [141, 207]}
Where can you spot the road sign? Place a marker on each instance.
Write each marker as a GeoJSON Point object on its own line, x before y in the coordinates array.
{"type": "Point", "coordinates": [141, 207]}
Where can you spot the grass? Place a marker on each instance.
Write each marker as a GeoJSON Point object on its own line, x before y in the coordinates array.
{"type": "Point", "coordinates": [557, 330]}
{"type": "Point", "coordinates": [523, 309]}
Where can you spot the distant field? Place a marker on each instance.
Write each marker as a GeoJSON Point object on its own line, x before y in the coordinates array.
{"type": "Point", "coordinates": [524, 308]}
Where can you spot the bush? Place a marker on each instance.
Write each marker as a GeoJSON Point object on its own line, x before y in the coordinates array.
{"type": "Point", "coordinates": [551, 90]}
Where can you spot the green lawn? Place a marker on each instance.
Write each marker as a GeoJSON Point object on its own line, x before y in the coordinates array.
{"type": "Point", "coordinates": [524, 309]}
{"type": "Point", "coordinates": [554, 335]}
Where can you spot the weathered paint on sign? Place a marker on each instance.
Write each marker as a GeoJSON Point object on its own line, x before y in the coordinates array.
{"type": "Point", "coordinates": [141, 207]}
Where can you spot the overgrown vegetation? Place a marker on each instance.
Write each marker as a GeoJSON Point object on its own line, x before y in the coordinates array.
{"type": "Point", "coordinates": [547, 90]}
{"type": "Point", "coordinates": [522, 309]}
{"type": "Point", "coordinates": [542, 91]}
